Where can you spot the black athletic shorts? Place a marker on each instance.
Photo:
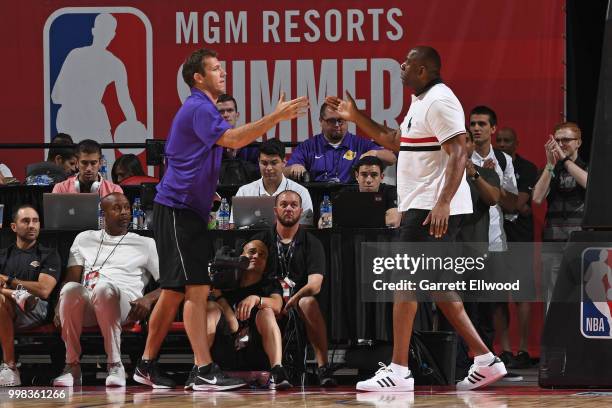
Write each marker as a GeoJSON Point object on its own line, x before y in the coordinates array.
{"type": "Point", "coordinates": [183, 246]}
{"type": "Point", "coordinates": [412, 230]}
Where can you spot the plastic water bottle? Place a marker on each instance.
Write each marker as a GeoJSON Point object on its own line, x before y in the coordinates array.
{"type": "Point", "coordinates": [223, 215]}
{"type": "Point", "coordinates": [144, 220]}
{"type": "Point", "coordinates": [136, 214]}
{"type": "Point", "coordinates": [326, 212]}
{"type": "Point", "coordinates": [101, 222]}
{"type": "Point", "coordinates": [103, 170]}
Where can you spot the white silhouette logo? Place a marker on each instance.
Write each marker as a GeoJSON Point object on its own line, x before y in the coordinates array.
{"type": "Point", "coordinates": [81, 84]}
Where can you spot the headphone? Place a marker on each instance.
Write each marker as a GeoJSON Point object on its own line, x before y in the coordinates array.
{"type": "Point", "coordinates": [94, 187]}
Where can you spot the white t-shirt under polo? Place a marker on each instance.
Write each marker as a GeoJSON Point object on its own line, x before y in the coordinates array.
{"type": "Point", "coordinates": [256, 188]}
{"type": "Point", "coordinates": [129, 268]}
{"type": "Point", "coordinates": [497, 234]}
{"type": "Point", "coordinates": [434, 117]}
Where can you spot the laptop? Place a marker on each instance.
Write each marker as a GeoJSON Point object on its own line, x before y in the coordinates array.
{"type": "Point", "coordinates": [71, 211]}
{"type": "Point", "coordinates": [353, 209]}
{"type": "Point", "coordinates": [253, 212]}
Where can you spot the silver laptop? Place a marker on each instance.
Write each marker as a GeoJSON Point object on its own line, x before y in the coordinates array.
{"type": "Point", "coordinates": [71, 211]}
{"type": "Point", "coordinates": [253, 212]}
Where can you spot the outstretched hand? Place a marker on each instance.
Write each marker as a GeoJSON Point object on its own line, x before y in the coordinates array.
{"type": "Point", "coordinates": [347, 108]}
{"type": "Point", "coordinates": [287, 110]}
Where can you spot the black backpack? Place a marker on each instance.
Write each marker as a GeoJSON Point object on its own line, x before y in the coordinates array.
{"type": "Point", "coordinates": [422, 363]}
{"type": "Point", "coordinates": [501, 159]}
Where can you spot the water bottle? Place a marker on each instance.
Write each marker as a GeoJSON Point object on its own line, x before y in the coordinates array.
{"type": "Point", "coordinates": [144, 219]}
{"type": "Point", "coordinates": [223, 215]}
{"type": "Point", "coordinates": [136, 214]}
{"type": "Point", "coordinates": [103, 171]}
{"type": "Point", "coordinates": [326, 212]}
{"type": "Point", "coordinates": [101, 222]}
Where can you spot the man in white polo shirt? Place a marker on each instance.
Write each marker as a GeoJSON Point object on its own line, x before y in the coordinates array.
{"type": "Point", "coordinates": [433, 195]}
{"type": "Point", "coordinates": [273, 182]}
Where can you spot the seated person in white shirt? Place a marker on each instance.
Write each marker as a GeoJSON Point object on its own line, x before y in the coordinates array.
{"type": "Point", "coordinates": [107, 273]}
{"type": "Point", "coordinates": [273, 182]}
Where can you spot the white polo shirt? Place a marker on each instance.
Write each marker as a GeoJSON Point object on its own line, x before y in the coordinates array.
{"type": "Point", "coordinates": [434, 117]}
{"type": "Point", "coordinates": [497, 235]}
{"type": "Point", "coordinates": [256, 188]}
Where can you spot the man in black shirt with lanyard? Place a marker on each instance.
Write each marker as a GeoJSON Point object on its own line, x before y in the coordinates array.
{"type": "Point", "coordinates": [28, 271]}
{"type": "Point", "coordinates": [298, 257]}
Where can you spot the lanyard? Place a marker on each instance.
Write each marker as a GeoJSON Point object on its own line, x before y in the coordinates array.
{"type": "Point", "coordinates": [109, 255]}
{"type": "Point", "coordinates": [284, 257]}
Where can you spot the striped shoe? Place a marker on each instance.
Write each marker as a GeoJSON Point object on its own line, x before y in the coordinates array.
{"type": "Point", "coordinates": [385, 380]}
{"type": "Point", "coordinates": [480, 376]}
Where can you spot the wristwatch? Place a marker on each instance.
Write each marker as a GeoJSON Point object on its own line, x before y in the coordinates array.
{"type": "Point", "coordinates": [475, 177]}
{"type": "Point", "coordinates": [566, 158]}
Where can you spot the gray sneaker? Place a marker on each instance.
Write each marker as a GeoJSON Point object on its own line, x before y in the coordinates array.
{"type": "Point", "coordinates": [9, 377]}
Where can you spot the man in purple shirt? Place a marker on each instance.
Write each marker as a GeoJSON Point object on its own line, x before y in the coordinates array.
{"type": "Point", "coordinates": [184, 198]}
{"type": "Point", "coordinates": [330, 155]}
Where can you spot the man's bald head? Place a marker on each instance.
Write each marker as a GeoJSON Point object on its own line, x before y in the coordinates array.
{"type": "Point", "coordinates": [506, 141]}
{"type": "Point", "coordinates": [111, 199]}
{"type": "Point", "coordinates": [429, 58]}
{"type": "Point", "coordinates": [117, 213]}
{"type": "Point", "coordinates": [421, 67]}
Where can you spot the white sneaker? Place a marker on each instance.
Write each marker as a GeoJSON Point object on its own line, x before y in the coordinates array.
{"type": "Point", "coordinates": [480, 376]}
{"type": "Point", "coordinates": [24, 299]}
{"type": "Point", "coordinates": [9, 377]}
{"type": "Point", "coordinates": [116, 375]}
{"type": "Point", "coordinates": [387, 381]}
{"type": "Point", "coordinates": [70, 377]}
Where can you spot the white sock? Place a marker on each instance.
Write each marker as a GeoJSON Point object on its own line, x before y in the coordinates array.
{"type": "Point", "coordinates": [400, 370]}
{"type": "Point", "coordinates": [484, 359]}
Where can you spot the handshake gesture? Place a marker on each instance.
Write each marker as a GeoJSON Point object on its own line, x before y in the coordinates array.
{"type": "Point", "coordinates": [287, 110]}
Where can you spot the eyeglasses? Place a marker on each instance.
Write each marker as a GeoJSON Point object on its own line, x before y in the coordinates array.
{"type": "Point", "coordinates": [565, 140]}
{"type": "Point", "coordinates": [334, 121]}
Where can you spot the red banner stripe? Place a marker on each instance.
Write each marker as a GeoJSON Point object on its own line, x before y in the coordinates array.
{"type": "Point", "coordinates": [432, 139]}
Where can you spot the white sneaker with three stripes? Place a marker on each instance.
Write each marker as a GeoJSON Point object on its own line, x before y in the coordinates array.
{"type": "Point", "coordinates": [385, 380]}
{"type": "Point", "coordinates": [480, 376]}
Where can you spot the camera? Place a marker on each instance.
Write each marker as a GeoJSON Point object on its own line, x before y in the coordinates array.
{"type": "Point", "coordinates": [226, 268]}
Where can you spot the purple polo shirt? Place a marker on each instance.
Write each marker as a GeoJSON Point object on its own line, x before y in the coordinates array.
{"type": "Point", "coordinates": [193, 160]}
{"type": "Point", "coordinates": [327, 163]}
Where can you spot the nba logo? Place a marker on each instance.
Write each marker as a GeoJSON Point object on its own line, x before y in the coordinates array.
{"type": "Point", "coordinates": [98, 72]}
{"type": "Point", "coordinates": [596, 288]}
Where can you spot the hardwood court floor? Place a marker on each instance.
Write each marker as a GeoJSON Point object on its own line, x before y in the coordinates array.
{"type": "Point", "coordinates": [494, 397]}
